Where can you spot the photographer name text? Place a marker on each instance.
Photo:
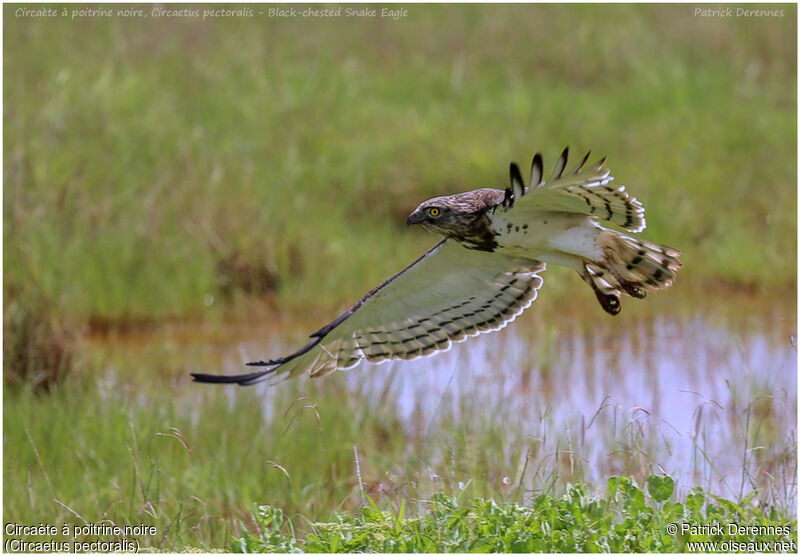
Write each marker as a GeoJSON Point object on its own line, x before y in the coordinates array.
{"type": "Point", "coordinates": [728, 11]}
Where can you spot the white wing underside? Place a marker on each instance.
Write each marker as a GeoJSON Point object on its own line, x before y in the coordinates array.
{"type": "Point", "coordinates": [446, 296]}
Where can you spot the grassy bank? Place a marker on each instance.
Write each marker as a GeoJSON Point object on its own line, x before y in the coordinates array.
{"type": "Point", "coordinates": [193, 473]}
{"type": "Point", "coordinates": [624, 519]}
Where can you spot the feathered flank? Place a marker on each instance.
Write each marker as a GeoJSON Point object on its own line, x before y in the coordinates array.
{"type": "Point", "coordinates": [537, 170]}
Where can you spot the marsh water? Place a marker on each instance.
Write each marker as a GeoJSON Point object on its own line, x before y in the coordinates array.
{"type": "Point", "coordinates": [711, 401]}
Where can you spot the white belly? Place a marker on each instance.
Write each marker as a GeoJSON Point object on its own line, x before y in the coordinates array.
{"type": "Point", "coordinates": [555, 237]}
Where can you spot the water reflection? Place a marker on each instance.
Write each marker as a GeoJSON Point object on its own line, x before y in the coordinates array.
{"type": "Point", "coordinates": [696, 400]}
{"type": "Point", "coordinates": [712, 404]}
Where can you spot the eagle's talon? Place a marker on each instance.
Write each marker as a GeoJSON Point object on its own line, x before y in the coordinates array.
{"type": "Point", "coordinates": [609, 303]}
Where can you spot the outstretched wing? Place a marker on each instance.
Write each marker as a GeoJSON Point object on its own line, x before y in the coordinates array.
{"type": "Point", "coordinates": [585, 191]}
{"type": "Point", "coordinates": [445, 296]}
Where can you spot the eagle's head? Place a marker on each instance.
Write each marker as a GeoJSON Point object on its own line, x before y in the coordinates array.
{"type": "Point", "coordinates": [450, 215]}
{"type": "Point", "coordinates": [439, 214]}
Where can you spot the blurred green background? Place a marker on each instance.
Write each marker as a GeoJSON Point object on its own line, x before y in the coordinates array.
{"type": "Point", "coordinates": [210, 173]}
{"type": "Point", "coordinates": [152, 163]}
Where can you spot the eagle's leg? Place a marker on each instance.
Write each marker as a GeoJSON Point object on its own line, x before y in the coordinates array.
{"type": "Point", "coordinates": [636, 266]}
{"type": "Point", "coordinates": [629, 287]}
{"type": "Point", "coordinates": [608, 301]}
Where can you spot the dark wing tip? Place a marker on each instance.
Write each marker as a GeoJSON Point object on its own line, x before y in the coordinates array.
{"type": "Point", "coordinates": [243, 380]}
{"type": "Point", "coordinates": [213, 379]}
{"type": "Point", "coordinates": [517, 189]}
{"type": "Point", "coordinates": [560, 164]}
{"type": "Point", "coordinates": [251, 378]}
{"type": "Point", "coordinates": [582, 162]}
{"type": "Point", "coordinates": [537, 170]}
{"type": "Point", "coordinates": [325, 329]}
{"type": "Point", "coordinates": [260, 363]}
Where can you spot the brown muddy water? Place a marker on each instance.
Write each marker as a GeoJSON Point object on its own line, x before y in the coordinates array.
{"type": "Point", "coordinates": [710, 401]}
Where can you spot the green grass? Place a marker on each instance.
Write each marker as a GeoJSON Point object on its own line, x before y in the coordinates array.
{"type": "Point", "coordinates": [624, 519]}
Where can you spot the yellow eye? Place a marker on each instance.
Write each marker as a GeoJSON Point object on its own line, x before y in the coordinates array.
{"type": "Point", "coordinates": [434, 211]}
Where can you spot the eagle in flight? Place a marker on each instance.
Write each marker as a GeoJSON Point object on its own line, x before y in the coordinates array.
{"type": "Point", "coordinates": [486, 270]}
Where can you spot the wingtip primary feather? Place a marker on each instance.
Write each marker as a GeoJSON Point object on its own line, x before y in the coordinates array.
{"type": "Point", "coordinates": [260, 363]}
{"type": "Point", "coordinates": [582, 162]}
{"type": "Point", "coordinates": [600, 163]}
{"type": "Point", "coordinates": [241, 380]}
{"type": "Point", "coordinates": [257, 376]}
{"type": "Point", "coordinates": [517, 185]}
{"type": "Point", "coordinates": [560, 165]}
{"type": "Point", "coordinates": [537, 170]}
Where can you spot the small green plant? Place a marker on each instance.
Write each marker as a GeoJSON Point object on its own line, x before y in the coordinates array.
{"type": "Point", "coordinates": [624, 520]}
{"type": "Point", "coordinates": [270, 538]}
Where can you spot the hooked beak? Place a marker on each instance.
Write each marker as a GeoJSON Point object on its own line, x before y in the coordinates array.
{"type": "Point", "coordinates": [415, 218]}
